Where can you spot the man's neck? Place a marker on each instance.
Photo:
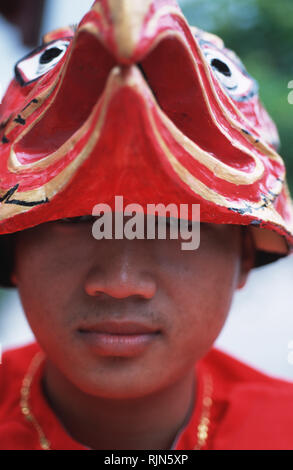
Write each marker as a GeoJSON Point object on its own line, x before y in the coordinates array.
{"type": "Point", "coordinates": [150, 422]}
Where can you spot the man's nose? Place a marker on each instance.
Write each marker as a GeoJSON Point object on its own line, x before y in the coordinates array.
{"type": "Point", "coordinates": [122, 271]}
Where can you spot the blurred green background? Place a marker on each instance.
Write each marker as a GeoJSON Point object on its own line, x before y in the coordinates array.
{"type": "Point", "coordinates": [261, 33]}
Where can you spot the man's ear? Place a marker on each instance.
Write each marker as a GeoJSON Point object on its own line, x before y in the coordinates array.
{"type": "Point", "coordinates": [247, 257]}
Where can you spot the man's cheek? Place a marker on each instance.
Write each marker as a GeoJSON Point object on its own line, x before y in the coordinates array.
{"type": "Point", "coordinates": [189, 340]}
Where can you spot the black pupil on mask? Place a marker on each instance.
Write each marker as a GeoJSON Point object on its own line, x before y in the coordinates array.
{"type": "Point", "coordinates": [49, 55]}
{"type": "Point", "coordinates": [221, 67]}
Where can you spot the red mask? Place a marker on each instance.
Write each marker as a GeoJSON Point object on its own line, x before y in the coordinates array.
{"type": "Point", "coordinates": [136, 103]}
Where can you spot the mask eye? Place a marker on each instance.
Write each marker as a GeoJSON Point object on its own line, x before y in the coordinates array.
{"type": "Point", "coordinates": [231, 74]}
{"type": "Point", "coordinates": [40, 61]}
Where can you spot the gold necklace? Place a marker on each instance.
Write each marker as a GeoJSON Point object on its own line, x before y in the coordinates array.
{"type": "Point", "coordinates": [202, 429]}
{"type": "Point", "coordinates": [25, 397]}
{"type": "Point", "coordinates": [205, 420]}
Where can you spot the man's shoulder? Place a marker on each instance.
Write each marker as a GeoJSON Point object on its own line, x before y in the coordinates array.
{"type": "Point", "coordinates": [253, 409]}
{"type": "Point", "coordinates": [230, 370]}
{"type": "Point", "coordinates": [13, 368]}
{"type": "Point", "coordinates": [19, 357]}
{"type": "Point", "coordinates": [15, 432]}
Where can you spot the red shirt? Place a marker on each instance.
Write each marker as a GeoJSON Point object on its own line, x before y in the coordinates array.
{"type": "Point", "coordinates": [237, 407]}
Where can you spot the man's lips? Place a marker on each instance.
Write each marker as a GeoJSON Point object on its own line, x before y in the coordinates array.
{"type": "Point", "coordinates": [120, 328]}
{"type": "Point", "coordinates": [119, 339]}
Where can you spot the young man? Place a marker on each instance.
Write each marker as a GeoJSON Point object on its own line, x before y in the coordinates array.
{"type": "Point", "coordinates": [135, 103]}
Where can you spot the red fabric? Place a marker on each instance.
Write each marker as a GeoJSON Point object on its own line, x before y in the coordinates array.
{"type": "Point", "coordinates": [250, 410]}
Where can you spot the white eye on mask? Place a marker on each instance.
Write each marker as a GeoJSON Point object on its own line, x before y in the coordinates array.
{"type": "Point", "coordinates": [231, 74]}
{"type": "Point", "coordinates": [40, 61]}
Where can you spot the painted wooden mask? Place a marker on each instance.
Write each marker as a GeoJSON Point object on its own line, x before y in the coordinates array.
{"type": "Point", "coordinates": [134, 102]}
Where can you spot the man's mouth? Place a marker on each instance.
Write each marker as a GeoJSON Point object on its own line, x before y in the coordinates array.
{"type": "Point", "coordinates": [119, 339]}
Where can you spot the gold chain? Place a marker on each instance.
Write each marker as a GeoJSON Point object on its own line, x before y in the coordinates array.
{"type": "Point", "coordinates": [202, 429]}
{"type": "Point", "coordinates": [25, 396]}
{"type": "Point", "coordinates": [205, 420]}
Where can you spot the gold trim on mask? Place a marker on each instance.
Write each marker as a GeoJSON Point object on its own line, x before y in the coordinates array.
{"type": "Point", "coordinates": [134, 79]}
{"type": "Point", "coordinates": [48, 37]}
{"type": "Point", "coordinates": [128, 17]}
